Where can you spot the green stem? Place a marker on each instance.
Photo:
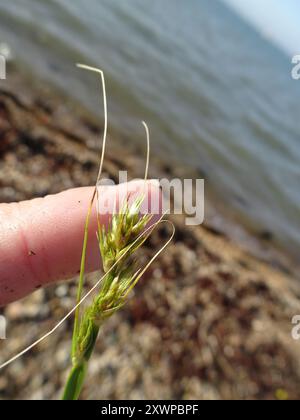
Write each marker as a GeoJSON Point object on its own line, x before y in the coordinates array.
{"type": "Point", "coordinates": [81, 275]}
{"type": "Point", "coordinates": [77, 375]}
{"type": "Point", "coordinates": [75, 381]}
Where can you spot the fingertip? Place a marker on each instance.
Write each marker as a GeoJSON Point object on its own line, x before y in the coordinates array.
{"type": "Point", "coordinates": [150, 191]}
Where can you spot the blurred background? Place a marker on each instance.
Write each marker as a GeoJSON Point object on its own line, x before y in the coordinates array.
{"type": "Point", "coordinates": [212, 78]}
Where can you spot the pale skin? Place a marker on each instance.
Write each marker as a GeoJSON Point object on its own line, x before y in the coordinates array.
{"type": "Point", "coordinates": [41, 239]}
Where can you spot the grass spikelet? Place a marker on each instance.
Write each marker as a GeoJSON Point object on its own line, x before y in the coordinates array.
{"type": "Point", "coordinates": [127, 231]}
{"type": "Point", "coordinates": [117, 246]}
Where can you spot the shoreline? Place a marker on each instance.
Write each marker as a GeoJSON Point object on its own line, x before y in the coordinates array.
{"type": "Point", "coordinates": [218, 218]}
{"type": "Point", "coordinates": [207, 320]}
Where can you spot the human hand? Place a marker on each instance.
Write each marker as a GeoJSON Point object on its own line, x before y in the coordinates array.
{"type": "Point", "coordinates": [41, 239]}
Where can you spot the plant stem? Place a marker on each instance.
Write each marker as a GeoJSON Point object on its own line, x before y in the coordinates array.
{"type": "Point", "coordinates": [75, 381]}
{"type": "Point", "coordinates": [81, 275]}
{"type": "Point", "coordinates": [78, 372]}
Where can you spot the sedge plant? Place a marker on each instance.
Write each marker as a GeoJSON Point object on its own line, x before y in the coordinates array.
{"type": "Point", "coordinates": [126, 232]}
{"type": "Point", "coordinates": [117, 244]}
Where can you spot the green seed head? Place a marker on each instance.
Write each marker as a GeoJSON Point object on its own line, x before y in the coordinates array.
{"type": "Point", "coordinates": [117, 244]}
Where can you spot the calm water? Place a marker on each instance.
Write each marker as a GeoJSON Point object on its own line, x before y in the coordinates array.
{"type": "Point", "coordinates": [215, 94]}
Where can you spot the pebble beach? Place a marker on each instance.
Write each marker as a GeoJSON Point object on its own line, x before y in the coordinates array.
{"type": "Point", "coordinates": [207, 321]}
